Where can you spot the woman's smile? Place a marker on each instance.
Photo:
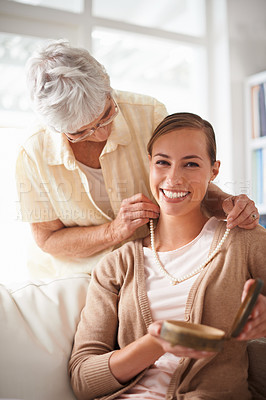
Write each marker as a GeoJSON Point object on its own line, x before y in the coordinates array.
{"type": "Point", "coordinates": [174, 195]}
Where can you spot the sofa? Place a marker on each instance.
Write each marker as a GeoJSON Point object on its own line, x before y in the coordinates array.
{"type": "Point", "coordinates": [38, 321]}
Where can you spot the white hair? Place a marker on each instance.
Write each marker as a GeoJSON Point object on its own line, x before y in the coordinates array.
{"type": "Point", "coordinates": [68, 87]}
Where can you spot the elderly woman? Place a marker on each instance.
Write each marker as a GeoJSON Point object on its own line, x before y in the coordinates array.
{"type": "Point", "coordinates": [82, 176]}
{"type": "Point", "coordinates": [190, 267]}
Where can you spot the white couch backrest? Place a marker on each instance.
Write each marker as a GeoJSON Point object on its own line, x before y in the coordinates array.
{"type": "Point", "coordinates": [37, 326]}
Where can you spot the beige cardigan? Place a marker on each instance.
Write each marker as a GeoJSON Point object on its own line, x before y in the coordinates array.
{"type": "Point", "coordinates": [117, 312]}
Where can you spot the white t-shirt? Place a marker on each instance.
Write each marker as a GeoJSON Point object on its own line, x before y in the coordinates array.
{"type": "Point", "coordinates": [168, 302]}
{"type": "Point", "coordinates": [97, 188]}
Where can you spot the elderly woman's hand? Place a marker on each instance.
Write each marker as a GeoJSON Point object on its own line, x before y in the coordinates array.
{"type": "Point", "coordinates": [255, 327]}
{"type": "Point", "coordinates": [179, 351]}
{"type": "Point", "coordinates": [134, 212]}
{"type": "Point", "coordinates": [241, 211]}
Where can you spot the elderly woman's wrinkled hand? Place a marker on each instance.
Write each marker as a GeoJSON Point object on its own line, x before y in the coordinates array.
{"type": "Point", "coordinates": [255, 327]}
{"type": "Point", "coordinates": [179, 351]}
{"type": "Point", "coordinates": [241, 211]}
{"type": "Point", "coordinates": [134, 212]}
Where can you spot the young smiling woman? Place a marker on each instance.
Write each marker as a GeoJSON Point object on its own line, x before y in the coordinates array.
{"type": "Point", "coordinates": [179, 178]}
{"type": "Point", "coordinates": [191, 268]}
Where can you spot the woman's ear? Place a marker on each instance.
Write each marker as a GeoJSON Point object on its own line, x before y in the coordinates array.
{"type": "Point", "coordinates": [215, 169]}
{"type": "Point", "coordinates": [149, 157]}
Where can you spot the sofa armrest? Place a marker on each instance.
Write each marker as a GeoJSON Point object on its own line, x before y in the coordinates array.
{"type": "Point", "coordinates": [38, 323]}
{"type": "Point", "coordinates": [257, 368]}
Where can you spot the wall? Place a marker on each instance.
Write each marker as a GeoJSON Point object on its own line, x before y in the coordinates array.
{"type": "Point", "coordinates": [247, 50]}
{"type": "Point", "coordinates": [219, 89]}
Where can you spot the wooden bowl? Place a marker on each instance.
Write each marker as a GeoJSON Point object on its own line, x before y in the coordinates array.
{"type": "Point", "coordinates": [194, 336]}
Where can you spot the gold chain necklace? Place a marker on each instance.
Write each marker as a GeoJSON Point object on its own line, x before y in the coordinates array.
{"type": "Point", "coordinates": [172, 278]}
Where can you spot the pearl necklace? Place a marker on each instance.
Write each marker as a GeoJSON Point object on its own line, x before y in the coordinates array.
{"type": "Point", "coordinates": [173, 279]}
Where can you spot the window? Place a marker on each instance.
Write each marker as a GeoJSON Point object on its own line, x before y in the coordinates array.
{"type": "Point", "coordinates": [76, 6]}
{"type": "Point", "coordinates": [14, 105]}
{"type": "Point", "coordinates": [180, 16]}
{"type": "Point", "coordinates": [15, 116]}
{"type": "Point", "coordinates": [175, 73]}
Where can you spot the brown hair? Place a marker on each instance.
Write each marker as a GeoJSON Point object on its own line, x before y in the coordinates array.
{"type": "Point", "coordinates": [182, 120]}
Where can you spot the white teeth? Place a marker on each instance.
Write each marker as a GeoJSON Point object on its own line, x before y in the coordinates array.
{"type": "Point", "coordinates": [174, 195]}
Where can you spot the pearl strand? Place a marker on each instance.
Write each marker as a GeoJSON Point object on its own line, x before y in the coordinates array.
{"type": "Point", "coordinates": [174, 280]}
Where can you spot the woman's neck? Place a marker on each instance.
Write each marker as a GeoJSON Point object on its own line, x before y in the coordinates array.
{"type": "Point", "coordinates": [88, 152]}
{"type": "Point", "coordinates": [173, 232]}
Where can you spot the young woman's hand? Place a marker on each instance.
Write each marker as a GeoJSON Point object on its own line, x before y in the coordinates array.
{"type": "Point", "coordinates": [255, 327]}
{"type": "Point", "coordinates": [179, 351]}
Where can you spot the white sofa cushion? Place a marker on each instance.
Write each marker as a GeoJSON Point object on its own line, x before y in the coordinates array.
{"type": "Point", "coordinates": [38, 322]}
{"type": "Point", "coordinates": [37, 326]}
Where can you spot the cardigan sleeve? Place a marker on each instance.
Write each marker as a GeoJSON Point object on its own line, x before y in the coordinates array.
{"type": "Point", "coordinates": [256, 251]}
{"type": "Point", "coordinates": [96, 335]}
